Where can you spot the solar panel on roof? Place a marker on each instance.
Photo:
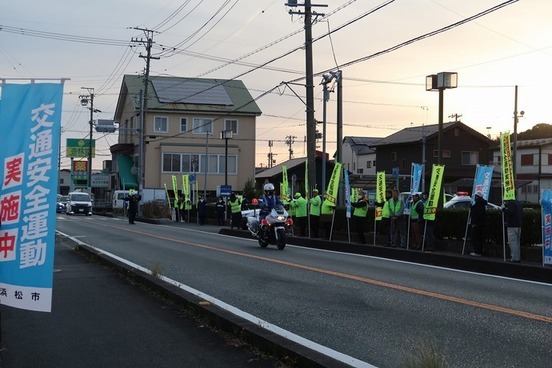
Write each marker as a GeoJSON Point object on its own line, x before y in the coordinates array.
{"type": "Point", "coordinates": [189, 91]}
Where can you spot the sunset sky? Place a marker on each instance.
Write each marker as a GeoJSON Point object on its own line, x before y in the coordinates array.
{"type": "Point", "coordinates": [383, 86]}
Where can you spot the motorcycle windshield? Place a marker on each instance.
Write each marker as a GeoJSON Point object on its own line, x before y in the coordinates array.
{"type": "Point", "coordinates": [279, 209]}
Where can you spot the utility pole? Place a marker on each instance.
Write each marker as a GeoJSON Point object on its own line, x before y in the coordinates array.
{"type": "Point", "coordinates": [85, 100]}
{"type": "Point", "coordinates": [309, 85]}
{"type": "Point", "coordinates": [290, 139]}
{"type": "Point", "coordinates": [148, 42]}
{"type": "Point", "coordinates": [270, 155]}
{"type": "Point", "coordinates": [456, 117]}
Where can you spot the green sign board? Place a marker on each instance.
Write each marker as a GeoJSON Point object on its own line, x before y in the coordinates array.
{"type": "Point", "coordinates": [79, 148]}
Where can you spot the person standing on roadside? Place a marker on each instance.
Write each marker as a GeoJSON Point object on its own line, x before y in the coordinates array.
{"type": "Point", "coordinates": [513, 216]}
{"type": "Point", "coordinates": [300, 206]}
{"type": "Point", "coordinates": [327, 216]}
{"type": "Point", "coordinates": [396, 209]}
{"type": "Point", "coordinates": [235, 209]}
{"type": "Point", "coordinates": [478, 221]}
{"type": "Point", "coordinates": [417, 221]}
{"type": "Point", "coordinates": [182, 208]}
{"type": "Point", "coordinates": [133, 198]}
{"type": "Point", "coordinates": [385, 220]}
{"type": "Point", "coordinates": [359, 215]}
{"type": "Point", "coordinates": [221, 210]}
{"type": "Point", "coordinates": [202, 210]}
{"type": "Point", "coordinates": [315, 206]}
{"type": "Point", "coordinates": [176, 205]}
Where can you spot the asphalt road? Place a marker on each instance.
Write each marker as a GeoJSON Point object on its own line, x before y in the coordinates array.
{"type": "Point", "coordinates": [99, 319]}
{"type": "Point", "coordinates": [366, 309]}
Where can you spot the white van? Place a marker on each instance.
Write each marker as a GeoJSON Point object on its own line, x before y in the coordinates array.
{"type": "Point", "coordinates": [79, 202]}
{"type": "Point", "coordinates": [118, 198]}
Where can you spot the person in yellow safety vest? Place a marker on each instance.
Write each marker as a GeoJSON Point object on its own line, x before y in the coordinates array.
{"type": "Point", "coordinates": [299, 204]}
{"type": "Point", "coordinates": [417, 221]}
{"type": "Point", "coordinates": [359, 215]}
{"type": "Point", "coordinates": [326, 215]}
{"type": "Point", "coordinates": [235, 209]}
{"type": "Point", "coordinates": [315, 207]}
{"type": "Point", "coordinates": [182, 207]}
{"type": "Point", "coordinates": [396, 209]}
{"type": "Point", "coordinates": [289, 206]}
{"type": "Point", "coordinates": [385, 220]}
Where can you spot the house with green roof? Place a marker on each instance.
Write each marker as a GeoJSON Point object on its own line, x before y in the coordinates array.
{"type": "Point", "coordinates": [195, 126]}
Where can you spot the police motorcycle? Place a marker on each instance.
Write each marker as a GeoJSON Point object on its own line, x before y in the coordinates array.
{"type": "Point", "coordinates": [273, 228]}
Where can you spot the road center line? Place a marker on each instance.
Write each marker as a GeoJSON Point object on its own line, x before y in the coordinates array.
{"type": "Point", "coordinates": [365, 280]}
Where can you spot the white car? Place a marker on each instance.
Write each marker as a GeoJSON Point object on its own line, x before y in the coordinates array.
{"type": "Point", "coordinates": [465, 201]}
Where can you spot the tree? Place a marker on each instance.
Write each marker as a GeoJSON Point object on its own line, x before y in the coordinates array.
{"type": "Point", "coordinates": [249, 189]}
{"type": "Point", "coordinates": [539, 131]}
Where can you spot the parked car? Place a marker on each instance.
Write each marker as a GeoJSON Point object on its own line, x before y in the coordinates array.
{"type": "Point", "coordinates": [465, 201]}
{"type": "Point", "coordinates": [61, 204]}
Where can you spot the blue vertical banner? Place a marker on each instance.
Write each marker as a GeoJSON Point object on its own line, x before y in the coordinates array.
{"type": "Point", "coordinates": [30, 117]}
{"type": "Point", "coordinates": [482, 181]}
{"type": "Point", "coordinates": [347, 195]}
{"type": "Point", "coordinates": [546, 214]}
{"type": "Point", "coordinates": [415, 183]}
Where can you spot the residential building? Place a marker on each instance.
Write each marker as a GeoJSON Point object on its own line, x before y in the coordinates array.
{"type": "Point", "coordinates": [462, 148]}
{"type": "Point", "coordinates": [359, 155]}
{"type": "Point", "coordinates": [183, 127]}
{"type": "Point", "coordinates": [533, 168]}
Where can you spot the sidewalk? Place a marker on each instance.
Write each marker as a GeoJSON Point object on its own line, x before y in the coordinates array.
{"type": "Point", "coordinates": [99, 319]}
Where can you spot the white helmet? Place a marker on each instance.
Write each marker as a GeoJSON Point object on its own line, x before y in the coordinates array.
{"type": "Point", "coordinates": [269, 189]}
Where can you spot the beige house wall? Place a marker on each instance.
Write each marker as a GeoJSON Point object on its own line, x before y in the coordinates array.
{"type": "Point", "coordinates": [174, 141]}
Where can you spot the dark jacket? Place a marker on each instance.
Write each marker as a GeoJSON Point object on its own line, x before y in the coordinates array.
{"type": "Point", "coordinates": [133, 201]}
{"type": "Point", "coordinates": [202, 208]}
{"type": "Point", "coordinates": [478, 215]}
{"type": "Point", "coordinates": [513, 213]}
{"type": "Point", "coordinates": [221, 206]}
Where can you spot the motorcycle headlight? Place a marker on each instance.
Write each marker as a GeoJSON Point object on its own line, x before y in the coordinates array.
{"type": "Point", "coordinates": [281, 219]}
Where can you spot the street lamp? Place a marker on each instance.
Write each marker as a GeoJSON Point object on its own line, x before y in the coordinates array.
{"type": "Point", "coordinates": [226, 135]}
{"type": "Point", "coordinates": [440, 82]}
{"type": "Point", "coordinates": [84, 100]}
{"type": "Point", "coordinates": [516, 120]}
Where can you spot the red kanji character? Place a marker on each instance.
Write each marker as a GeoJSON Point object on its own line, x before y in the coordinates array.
{"type": "Point", "coordinates": [13, 170]}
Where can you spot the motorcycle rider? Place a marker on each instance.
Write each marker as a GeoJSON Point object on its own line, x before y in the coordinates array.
{"type": "Point", "coordinates": [268, 201]}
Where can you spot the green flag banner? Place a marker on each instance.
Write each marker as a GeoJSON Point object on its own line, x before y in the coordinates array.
{"type": "Point", "coordinates": [508, 185]}
{"type": "Point", "coordinates": [333, 185]}
{"type": "Point", "coordinates": [284, 191]}
{"type": "Point", "coordinates": [430, 208]}
{"type": "Point", "coordinates": [186, 191]}
{"type": "Point", "coordinates": [380, 193]}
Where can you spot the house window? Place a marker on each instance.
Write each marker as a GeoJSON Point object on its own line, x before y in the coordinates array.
{"type": "Point", "coordinates": [368, 164]}
{"type": "Point", "coordinates": [469, 158]}
{"type": "Point", "coordinates": [231, 124]}
{"type": "Point", "coordinates": [528, 160]}
{"type": "Point", "coordinates": [393, 156]}
{"type": "Point", "coordinates": [171, 162]}
{"type": "Point", "coordinates": [183, 125]}
{"type": "Point", "coordinates": [550, 159]}
{"type": "Point", "coordinates": [374, 163]}
{"type": "Point", "coordinates": [160, 124]}
{"type": "Point", "coordinates": [360, 171]}
{"type": "Point", "coordinates": [232, 164]}
{"type": "Point", "coordinates": [203, 126]}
